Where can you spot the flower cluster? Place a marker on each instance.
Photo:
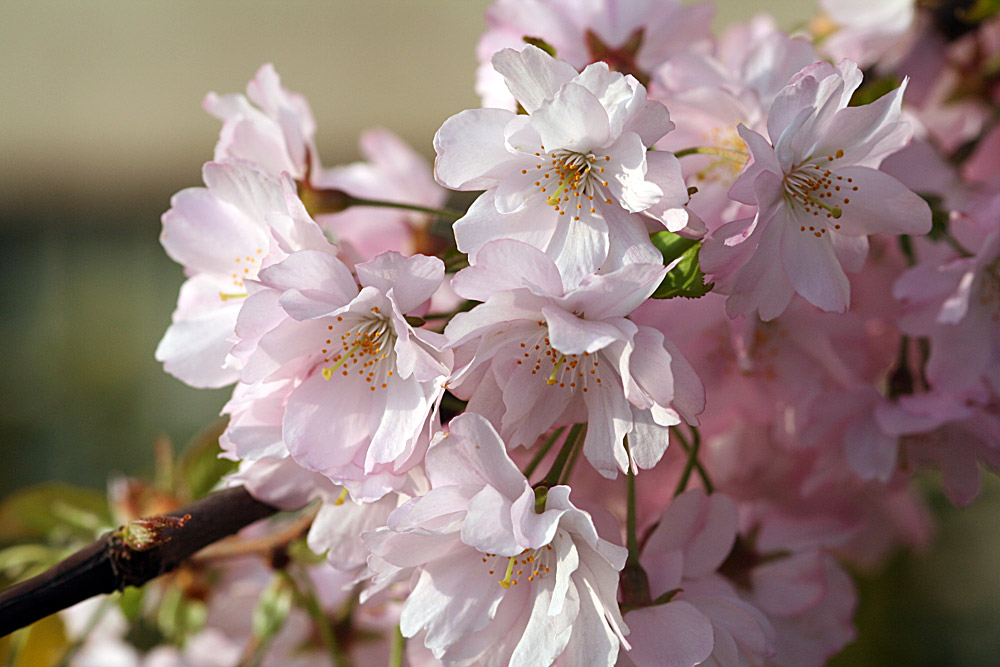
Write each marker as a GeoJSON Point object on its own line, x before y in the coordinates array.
{"type": "Point", "coordinates": [840, 330]}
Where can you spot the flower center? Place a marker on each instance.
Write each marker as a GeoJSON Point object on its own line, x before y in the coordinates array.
{"type": "Point", "coordinates": [243, 267]}
{"type": "Point", "coordinates": [820, 192]}
{"type": "Point", "coordinates": [570, 180]}
{"type": "Point", "coordinates": [366, 347]}
{"type": "Point", "coordinates": [563, 370]}
{"type": "Point", "coordinates": [536, 563]}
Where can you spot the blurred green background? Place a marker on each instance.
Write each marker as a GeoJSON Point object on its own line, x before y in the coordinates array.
{"type": "Point", "coordinates": [101, 123]}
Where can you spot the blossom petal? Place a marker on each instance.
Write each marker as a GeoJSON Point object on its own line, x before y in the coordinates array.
{"type": "Point", "coordinates": [471, 154]}
{"type": "Point", "coordinates": [532, 75]}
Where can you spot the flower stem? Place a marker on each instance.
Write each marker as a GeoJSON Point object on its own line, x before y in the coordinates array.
{"type": "Point", "coordinates": [379, 203]}
{"type": "Point", "coordinates": [693, 464]}
{"type": "Point", "coordinates": [555, 474]}
{"type": "Point", "coordinates": [396, 648]}
{"type": "Point", "coordinates": [307, 598]}
{"type": "Point", "coordinates": [634, 580]}
{"type": "Point", "coordinates": [542, 451]}
{"type": "Point", "coordinates": [712, 150]}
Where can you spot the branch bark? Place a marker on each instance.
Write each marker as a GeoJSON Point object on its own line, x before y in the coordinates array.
{"type": "Point", "coordinates": [109, 564]}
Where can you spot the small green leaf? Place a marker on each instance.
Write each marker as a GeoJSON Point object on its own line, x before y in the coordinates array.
{"type": "Point", "coordinates": [454, 260]}
{"type": "Point", "coordinates": [684, 277]}
{"type": "Point", "coordinates": [273, 607]}
{"type": "Point", "coordinates": [872, 89]}
{"type": "Point", "coordinates": [980, 11]}
{"type": "Point", "coordinates": [178, 616]}
{"type": "Point", "coordinates": [130, 602]}
{"type": "Point", "coordinates": [34, 512]}
{"type": "Point", "coordinates": [540, 43]}
{"type": "Point", "coordinates": [17, 560]}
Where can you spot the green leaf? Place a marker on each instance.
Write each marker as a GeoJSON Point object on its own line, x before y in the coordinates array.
{"type": "Point", "coordinates": [872, 89]}
{"type": "Point", "coordinates": [540, 43]}
{"type": "Point", "coordinates": [130, 602]}
{"type": "Point", "coordinates": [685, 277]}
{"type": "Point", "coordinates": [179, 616]}
{"type": "Point", "coordinates": [36, 512]}
{"type": "Point", "coordinates": [454, 260]}
{"type": "Point", "coordinates": [17, 560]}
{"type": "Point", "coordinates": [273, 607]}
{"type": "Point", "coordinates": [980, 11]}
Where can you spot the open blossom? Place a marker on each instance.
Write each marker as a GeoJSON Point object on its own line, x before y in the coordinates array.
{"type": "Point", "coordinates": [496, 582]}
{"type": "Point", "coordinates": [364, 381]}
{"type": "Point", "coordinates": [269, 126]}
{"type": "Point", "coordinates": [632, 37]}
{"type": "Point", "coordinates": [223, 234]}
{"type": "Point", "coordinates": [709, 95]}
{"type": "Point", "coordinates": [572, 177]}
{"type": "Point", "coordinates": [818, 196]}
{"type": "Point", "coordinates": [537, 355]}
{"type": "Point", "coordinates": [705, 621]}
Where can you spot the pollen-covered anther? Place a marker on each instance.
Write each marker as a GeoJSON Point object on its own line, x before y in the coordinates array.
{"type": "Point", "coordinates": [535, 563]}
{"type": "Point", "coordinates": [368, 343]}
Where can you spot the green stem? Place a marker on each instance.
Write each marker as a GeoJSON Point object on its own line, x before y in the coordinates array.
{"type": "Point", "coordinates": [631, 537]}
{"type": "Point", "coordinates": [712, 150]}
{"type": "Point", "coordinates": [692, 464]}
{"type": "Point", "coordinates": [634, 580]}
{"type": "Point", "coordinates": [696, 444]}
{"type": "Point", "coordinates": [554, 474]}
{"type": "Point", "coordinates": [379, 203]}
{"type": "Point", "coordinates": [396, 648]}
{"type": "Point", "coordinates": [542, 451]}
{"type": "Point", "coordinates": [307, 598]}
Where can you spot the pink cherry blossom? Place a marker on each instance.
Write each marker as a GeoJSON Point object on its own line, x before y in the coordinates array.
{"type": "Point", "coordinates": [818, 195]}
{"type": "Point", "coordinates": [495, 582]}
{"type": "Point", "coordinates": [709, 95]}
{"type": "Point", "coordinates": [535, 355]}
{"type": "Point", "coordinates": [573, 176]}
{"type": "Point", "coordinates": [270, 127]}
{"type": "Point", "coordinates": [365, 383]}
{"type": "Point", "coordinates": [705, 621]}
{"type": "Point", "coordinates": [632, 37]}
{"type": "Point", "coordinates": [223, 234]}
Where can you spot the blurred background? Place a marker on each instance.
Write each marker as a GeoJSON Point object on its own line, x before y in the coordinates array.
{"type": "Point", "coordinates": [101, 123]}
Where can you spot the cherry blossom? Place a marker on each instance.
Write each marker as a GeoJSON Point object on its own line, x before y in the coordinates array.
{"type": "Point", "coordinates": [535, 355]}
{"type": "Point", "coordinates": [269, 126]}
{"type": "Point", "coordinates": [632, 37]}
{"type": "Point", "coordinates": [818, 195]}
{"type": "Point", "coordinates": [365, 382]}
{"type": "Point", "coordinates": [705, 620]}
{"type": "Point", "coordinates": [495, 581]}
{"type": "Point", "coordinates": [223, 234]}
{"type": "Point", "coordinates": [573, 176]}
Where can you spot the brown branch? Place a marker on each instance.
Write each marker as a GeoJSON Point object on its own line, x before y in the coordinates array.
{"type": "Point", "coordinates": [109, 564]}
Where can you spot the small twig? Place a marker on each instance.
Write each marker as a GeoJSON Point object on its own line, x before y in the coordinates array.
{"type": "Point", "coordinates": [109, 564]}
{"type": "Point", "coordinates": [235, 546]}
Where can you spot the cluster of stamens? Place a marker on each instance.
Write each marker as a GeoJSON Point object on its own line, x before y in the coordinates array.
{"type": "Point", "coordinates": [361, 349]}
{"type": "Point", "coordinates": [570, 180]}
{"type": "Point", "coordinates": [564, 370]}
{"type": "Point", "coordinates": [821, 192]}
{"type": "Point", "coordinates": [534, 562]}
{"type": "Point", "coordinates": [244, 267]}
